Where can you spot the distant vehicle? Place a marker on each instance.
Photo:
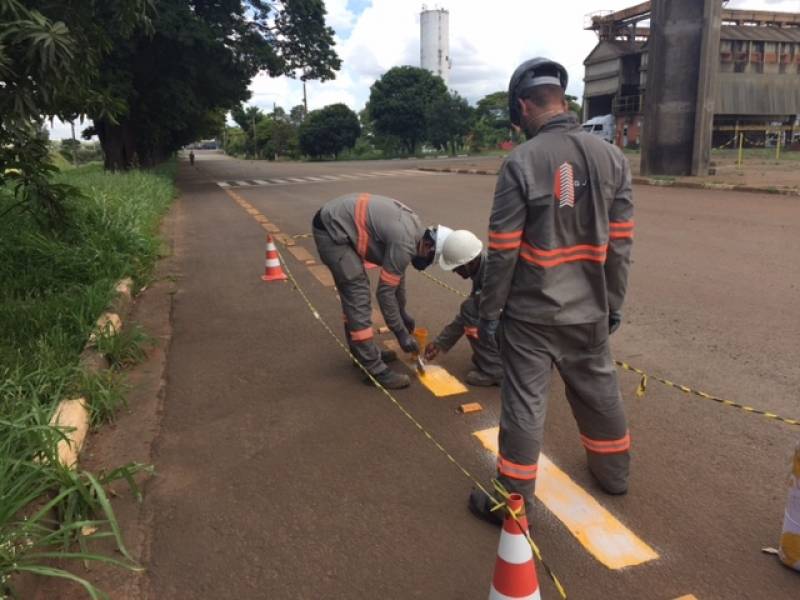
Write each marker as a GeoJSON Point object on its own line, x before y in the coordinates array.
{"type": "Point", "coordinates": [603, 127]}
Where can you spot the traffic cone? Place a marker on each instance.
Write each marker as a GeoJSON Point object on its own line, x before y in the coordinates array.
{"type": "Point", "coordinates": [272, 265]}
{"type": "Point", "coordinates": [789, 549]}
{"type": "Point", "coordinates": [514, 571]}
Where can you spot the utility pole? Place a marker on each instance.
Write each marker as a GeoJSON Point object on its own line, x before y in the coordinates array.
{"type": "Point", "coordinates": [305, 99]}
{"type": "Point", "coordinates": [74, 155]}
{"type": "Point", "coordinates": [254, 134]}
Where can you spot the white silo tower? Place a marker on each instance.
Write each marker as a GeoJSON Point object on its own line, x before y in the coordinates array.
{"type": "Point", "coordinates": [434, 39]}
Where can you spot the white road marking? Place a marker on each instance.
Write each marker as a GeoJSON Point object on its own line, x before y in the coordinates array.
{"type": "Point", "coordinates": [244, 183]}
{"type": "Point", "coordinates": [261, 182]}
{"type": "Point", "coordinates": [223, 184]}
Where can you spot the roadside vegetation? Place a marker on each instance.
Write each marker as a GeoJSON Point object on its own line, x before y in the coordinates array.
{"type": "Point", "coordinates": [53, 286]}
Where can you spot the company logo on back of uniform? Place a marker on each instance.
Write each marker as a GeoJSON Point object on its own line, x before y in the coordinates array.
{"type": "Point", "coordinates": [564, 186]}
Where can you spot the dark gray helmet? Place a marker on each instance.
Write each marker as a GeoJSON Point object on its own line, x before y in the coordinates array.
{"type": "Point", "coordinates": [533, 72]}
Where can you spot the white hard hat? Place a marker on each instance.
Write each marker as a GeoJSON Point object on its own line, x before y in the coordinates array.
{"type": "Point", "coordinates": [460, 248]}
{"type": "Point", "coordinates": [442, 233]}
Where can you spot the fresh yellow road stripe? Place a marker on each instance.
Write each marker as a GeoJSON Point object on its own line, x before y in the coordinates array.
{"type": "Point", "coordinates": [689, 597]}
{"type": "Point", "coordinates": [608, 540]}
{"type": "Point", "coordinates": [435, 378]}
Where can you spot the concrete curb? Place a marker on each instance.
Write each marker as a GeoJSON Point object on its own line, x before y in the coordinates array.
{"type": "Point", "coordinates": [72, 414]}
{"type": "Point", "coordinates": [692, 185]}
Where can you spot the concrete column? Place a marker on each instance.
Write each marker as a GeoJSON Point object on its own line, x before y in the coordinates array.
{"type": "Point", "coordinates": [681, 80]}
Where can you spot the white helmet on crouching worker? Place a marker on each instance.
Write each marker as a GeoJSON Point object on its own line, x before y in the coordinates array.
{"type": "Point", "coordinates": [430, 246]}
{"type": "Point", "coordinates": [530, 74]}
{"type": "Point", "coordinates": [460, 248]}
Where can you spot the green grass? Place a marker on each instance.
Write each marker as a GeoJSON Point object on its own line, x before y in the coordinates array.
{"type": "Point", "coordinates": [53, 286]}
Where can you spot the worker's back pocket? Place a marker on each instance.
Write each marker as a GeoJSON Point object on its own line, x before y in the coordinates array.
{"type": "Point", "coordinates": [348, 267]}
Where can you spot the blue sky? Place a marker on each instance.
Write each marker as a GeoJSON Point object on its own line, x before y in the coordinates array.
{"type": "Point", "coordinates": [488, 39]}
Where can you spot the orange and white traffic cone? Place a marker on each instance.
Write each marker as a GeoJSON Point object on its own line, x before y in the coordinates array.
{"type": "Point", "coordinates": [272, 266]}
{"type": "Point", "coordinates": [514, 572]}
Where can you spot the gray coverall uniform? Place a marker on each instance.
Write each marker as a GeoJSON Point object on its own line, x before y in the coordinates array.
{"type": "Point", "coordinates": [485, 355]}
{"type": "Point", "coordinates": [359, 227]}
{"type": "Point", "coordinates": [560, 238]}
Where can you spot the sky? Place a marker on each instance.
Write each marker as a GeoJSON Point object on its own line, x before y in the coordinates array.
{"type": "Point", "coordinates": [488, 39]}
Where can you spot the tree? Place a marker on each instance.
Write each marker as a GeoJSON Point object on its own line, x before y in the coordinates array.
{"type": "Point", "coordinates": [492, 122]}
{"type": "Point", "coordinates": [328, 131]}
{"type": "Point", "coordinates": [399, 103]}
{"type": "Point", "coordinates": [46, 69]}
{"type": "Point", "coordinates": [574, 105]}
{"type": "Point", "coordinates": [248, 119]}
{"type": "Point", "coordinates": [200, 58]}
{"type": "Point", "coordinates": [297, 115]}
{"type": "Point", "coordinates": [275, 137]}
{"type": "Point", "coordinates": [449, 120]}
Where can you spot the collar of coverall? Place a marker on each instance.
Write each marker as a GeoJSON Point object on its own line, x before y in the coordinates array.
{"type": "Point", "coordinates": [562, 121]}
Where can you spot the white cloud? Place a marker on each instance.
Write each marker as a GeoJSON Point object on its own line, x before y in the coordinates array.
{"type": "Point", "coordinates": [487, 41]}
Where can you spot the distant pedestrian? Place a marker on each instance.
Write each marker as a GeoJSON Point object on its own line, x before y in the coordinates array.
{"type": "Point", "coordinates": [191, 157]}
{"type": "Point", "coordinates": [355, 228]}
{"type": "Point", "coordinates": [560, 237]}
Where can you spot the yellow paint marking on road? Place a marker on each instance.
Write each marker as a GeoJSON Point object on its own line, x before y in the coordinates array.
{"type": "Point", "coordinates": [608, 540]}
{"type": "Point", "coordinates": [322, 274]}
{"type": "Point", "coordinates": [689, 597]}
{"type": "Point", "coordinates": [300, 253]}
{"type": "Point", "coordinates": [435, 378]}
{"type": "Point", "coordinates": [272, 228]}
{"type": "Point", "coordinates": [261, 218]}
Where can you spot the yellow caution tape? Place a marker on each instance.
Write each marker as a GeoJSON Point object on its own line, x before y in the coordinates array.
{"type": "Point", "coordinates": [411, 417]}
{"type": "Point", "coordinates": [641, 389]}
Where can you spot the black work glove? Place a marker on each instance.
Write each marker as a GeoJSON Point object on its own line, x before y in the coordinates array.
{"type": "Point", "coordinates": [487, 330]}
{"type": "Point", "coordinates": [408, 321]}
{"type": "Point", "coordinates": [407, 342]}
{"type": "Point", "coordinates": [614, 321]}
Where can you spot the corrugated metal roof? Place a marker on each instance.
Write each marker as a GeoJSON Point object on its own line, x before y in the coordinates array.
{"type": "Point", "coordinates": [760, 34]}
{"type": "Point", "coordinates": [756, 94]}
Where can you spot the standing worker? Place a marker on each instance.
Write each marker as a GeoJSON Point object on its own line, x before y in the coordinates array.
{"type": "Point", "coordinates": [463, 253]}
{"type": "Point", "coordinates": [560, 237]}
{"type": "Point", "coordinates": [191, 157]}
{"type": "Point", "coordinates": [355, 228]}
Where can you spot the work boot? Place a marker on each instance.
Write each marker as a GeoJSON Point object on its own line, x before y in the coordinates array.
{"type": "Point", "coordinates": [480, 506]}
{"type": "Point", "coordinates": [480, 379]}
{"type": "Point", "coordinates": [387, 356]}
{"type": "Point", "coordinates": [391, 380]}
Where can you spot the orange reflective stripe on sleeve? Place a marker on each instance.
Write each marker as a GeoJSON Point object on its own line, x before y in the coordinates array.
{"type": "Point", "coordinates": [361, 225]}
{"type": "Point", "coordinates": [390, 278]}
{"type": "Point", "coordinates": [515, 471]}
{"type": "Point", "coordinates": [362, 334]}
{"type": "Point", "coordinates": [619, 230]}
{"type": "Point", "coordinates": [471, 332]}
{"type": "Point", "coordinates": [623, 444]}
{"type": "Point", "coordinates": [510, 240]}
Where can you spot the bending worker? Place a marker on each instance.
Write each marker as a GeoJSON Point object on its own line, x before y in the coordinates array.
{"type": "Point", "coordinates": [355, 228]}
{"type": "Point", "coordinates": [463, 253]}
{"type": "Point", "coordinates": [560, 237]}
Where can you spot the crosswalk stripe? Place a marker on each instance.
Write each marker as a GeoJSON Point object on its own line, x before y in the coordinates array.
{"type": "Point", "coordinates": [261, 182]}
{"type": "Point", "coordinates": [243, 183]}
{"type": "Point", "coordinates": [278, 181]}
{"type": "Point", "coordinates": [608, 540]}
{"type": "Point", "coordinates": [296, 179]}
{"type": "Point", "coordinates": [331, 177]}
{"type": "Point", "coordinates": [314, 179]}
{"type": "Point", "coordinates": [344, 176]}
{"type": "Point", "coordinates": [223, 184]}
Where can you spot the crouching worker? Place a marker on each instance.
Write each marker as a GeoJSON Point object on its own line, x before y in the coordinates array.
{"type": "Point", "coordinates": [351, 229]}
{"type": "Point", "coordinates": [463, 253]}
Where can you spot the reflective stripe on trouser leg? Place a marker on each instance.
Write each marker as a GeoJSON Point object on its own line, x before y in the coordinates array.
{"type": "Point", "coordinates": [353, 287]}
{"type": "Point", "coordinates": [592, 389]}
{"type": "Point", "coordinates": [526, 380]}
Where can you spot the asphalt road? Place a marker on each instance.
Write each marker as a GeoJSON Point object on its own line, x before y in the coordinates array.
{"type": "Point", "coordinates": [281, 475]}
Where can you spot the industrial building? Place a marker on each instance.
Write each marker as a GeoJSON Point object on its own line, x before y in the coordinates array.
{"type": "Point", "coordinates": [757, 79]}
{"type": "Point", "coordinates": [434, 25]}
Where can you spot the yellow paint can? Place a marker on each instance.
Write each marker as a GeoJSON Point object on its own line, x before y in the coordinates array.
{"type": "Point", "coordinates": [789, 548]}
{"type": "Point", "coordinates": [421, 333]}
